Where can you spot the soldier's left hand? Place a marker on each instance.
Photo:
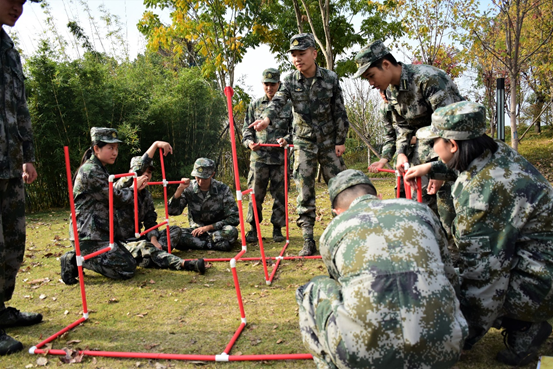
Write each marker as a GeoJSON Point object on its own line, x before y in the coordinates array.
{"type": "Point", "coordinates": [340, 149]}
{"type": "Point", "coordinates": [165, 146]}
{"type": "Point", "coordinates": [282, 142]}
{"type": "Point", "coordinates": [199, 231]}
{"type": "Point", "coordinates": [29, 173]}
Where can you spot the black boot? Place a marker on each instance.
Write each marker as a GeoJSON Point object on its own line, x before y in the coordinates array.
{"type": "Point", "coordinates": [251, 236]}
{"type": "Point", "coordinates": [197, 265]}
{"type": "Point", "coordinates": [69, 269]}
{"type": "Point", "coordinates": [523, 344]}
{"type": "Point", "coordinates": [309, 247]}
{"type": "Point", "coordinates": [11, 317]}
{"type": "Point", "coordinates": [277, 234]}
{"type": "Point", "coordinates": [8, 345]}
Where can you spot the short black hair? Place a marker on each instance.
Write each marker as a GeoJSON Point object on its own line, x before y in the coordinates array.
{"type": "Point", "coordinates": [388, 57]}
{"type": "Point", "coordinates": [470, 150]}
{"type": "Point", "coordinates": [343, 199]}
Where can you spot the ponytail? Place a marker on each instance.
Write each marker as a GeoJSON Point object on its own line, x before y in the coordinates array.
{"type": "Point", "coordinates": [88, 154]}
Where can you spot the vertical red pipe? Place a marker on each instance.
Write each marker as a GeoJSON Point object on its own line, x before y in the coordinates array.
{"type": "Point", "coordinates": [286, 191]}
{"type": "Point", "coordinates": [237, 285]}
{"type": "Point", "coordinates": [75, 231]}
{"type": "Point", "coordinates": [135, 185]}
{"type": "Point", "coordinates": [111, 212]}
{"type": "Point", "coordinates": [165, 198]}
{"type": "Point", "coordinates": [229, 92]}
{"type": "Point", "coordinates": [260, 239]}
{"type": "Point", "coordinates": [419, 189]}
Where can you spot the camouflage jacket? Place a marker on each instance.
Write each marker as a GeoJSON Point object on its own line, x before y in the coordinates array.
{"type": "Point", "coordinates": [147, 215]}
{"type": "Point", "coordinates": [422, 89]}
{"type": "Point", "coordinates": [389, 146]}
{"type": "Point", "coordinates": [503, 227]}
{"type": "Point", "coordinates": [91, 196]}
{"type": "Point", "coordinates": [16, 140]}
{"type": "Point", "coordinates": [217, 208]}
{"type": "Point", "coordinates": [280, 127]}
{"type": "Point", "coordinates": [319, 110]}
{"type": "Point", "coordinates": [398, 283]}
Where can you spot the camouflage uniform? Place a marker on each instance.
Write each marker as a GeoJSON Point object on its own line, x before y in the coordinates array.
{"type": "Point", "coordinates": [16, 148]}
{"type": "Point", "coordinates": [267, 163]}
{"type": "Point", "coordinates": [91, 197]}
{"type": "Point", "coordinates": [422, 89]}
{"type": "Point", "coordinates": [320, 124]}
{"type": "Point", "coordinates": [144, 252]}
{"type": "Point", "coordinates": [390, 300]}
{"type": "Point", "coordinates": [503, 227]}
{"type": "Point", "coordinates": [217, 207]}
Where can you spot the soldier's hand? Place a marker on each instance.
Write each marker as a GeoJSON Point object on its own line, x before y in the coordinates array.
{"type": "Point", "coordinates": [29, 173]}
{"type": "Point", "coordinates": [433, 186]}
{"type": "Point", "coordinates": [260, 124]}
{"type": "Point", "coordinates": [165, 146]}
{"type": "Point", "coordinates": [282, 142]}
{"type": "Point", "coordinates": [340, 149]}
{"type": "Point", "coordinates": [142, 182]}
{"type": "Point", "coordinates": [416, 171]}
{"type": "Point", "coordinates": [400, 163]}
{"type": "Point", "coordinates": [254, 146]}
{"type": "Point", "coordinates": [156, 243]}
{"type": "Point", "coordinates": [374, 167]}
{"type": "Point", "coordinates": [185, 182]}
{"type": "Point", "coordinates": [201, 230]}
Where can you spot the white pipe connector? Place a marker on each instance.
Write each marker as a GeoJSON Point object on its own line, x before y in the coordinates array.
{"type": "Point", "coordinates": [137, 235]}
{"type": "Point", "coordinates": [238, 195]}
{"type": "Point", "coordinates": [244, 248]}
{"type": "Point", "coordinates": [111, 178]}
{"type": "Point", "coordinates": [243, 320]}
{"type": "Point", "coordinates": [233, 263]}
{"type": "Point", "coordinates": [397, 173]}
{"type": "Point", "coordinates": [134, 174]}
{"type": "Point", "coordinates": [279, 258]}
{"type": "Point", "coordinates": [80, 260]}
{"type": "Point", "coordinates": [167, 220]}
{"type": "Point", "coordinates": [165, 182]}
{"type": "Point", "coordinates": [268, 283]}
{"type": "Point", "coordinates": [222, 357]}
{"type": "Point", "coordinates": [32, 350]}
{"type": "Point", "coordinates": [405, 166]}
{"type": "Point", "coordinates": [85, 315]}
{"type": "Point", "coordinates": [111, 245]}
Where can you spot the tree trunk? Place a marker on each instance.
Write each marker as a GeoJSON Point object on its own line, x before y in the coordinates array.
{"type": "Point", "coordinates": [537, 114]}
{"type": "Point", "coordinates": [513, 110]}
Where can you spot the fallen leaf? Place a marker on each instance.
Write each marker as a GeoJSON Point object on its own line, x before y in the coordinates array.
{"type": "Point", "coordinates": [73, 341]}
{"type": "Point", "coordinates": [71, 356]}
{"type": "Point", "coordinates": [152, 281]}
{"type": "Point", "coordinates": [42, 297]}
{"type": "Point", "coordinates": [279, 341]}
{"type": "Point", "coordinates": [150, 346]}
{"type": "Point", "coordinates": [113, 300]}
{"type": "Point", "coordinates": [66, 312]}
{"type": "Point", "coordinates": [41, 361]}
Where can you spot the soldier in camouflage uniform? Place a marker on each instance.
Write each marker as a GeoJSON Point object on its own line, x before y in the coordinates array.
{"type": "Point", "coordinates": [390, 300]}
{"type": "Point", "coordinates": [212, 211]}
{"type": "Point", "coordinates": [413, 93]}
{"type": "Point", "coordinates": [267, 163]}
{"type": "Point", "coordinates": [503, 229]}
{"type": "Point", "coordinates": [91, 196]}
{"type": "Point", "coordinates": [150, 250]}
{"type": "Point", "coordinates": [320, 127]}
{"type": "Point", "coordinates": [16, 168]}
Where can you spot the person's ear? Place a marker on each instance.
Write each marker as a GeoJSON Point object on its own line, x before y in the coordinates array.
{"type": "Point", "coordinates": [454, 146]}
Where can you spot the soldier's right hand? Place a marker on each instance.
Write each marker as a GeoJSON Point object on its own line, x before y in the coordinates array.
{"type": "Point", "coordinates": [282, 142]}
{"type": "Point", "coordinates": [400, 163]}
{"type": "Point", "coordinates": [142, 182]}
{"type": "Point", "coordinates": [260, 124]}
{"type": "Point", "coordinates": [374, 167]}
{"type": "Point", "coordinates": [182, 186]}
{"type": "Point", "coordinates": [254, 146]}
{"type": "Point", "coordinates": [165, 146]}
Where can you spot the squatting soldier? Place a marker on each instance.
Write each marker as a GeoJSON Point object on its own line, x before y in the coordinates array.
{"type": "Point", "coordinates": [413, 92]}
{"type": "Point", "coordinates": [390, 300]}
{"type": "Point", "coordinates": [267, 163]}
{"type": "Point", "coordinates": [212, 211]}
{"type": "Point", "coordinates": [149, 250]}
{"type": "Point", "coordinates": [91, 196]}
{"type": "Point", "coordinates": [503, 229]}
{"type": "Point", "coordinates": [17, 156]}
{"type": "Point", "coordinates": [320, 127]}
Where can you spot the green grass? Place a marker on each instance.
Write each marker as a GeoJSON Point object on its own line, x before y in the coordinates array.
{"type": "Point", "coordinates": [181, 312]}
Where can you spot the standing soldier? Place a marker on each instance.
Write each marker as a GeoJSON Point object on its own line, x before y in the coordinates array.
{"type": "Point", "coordinates": [320, 127]}
{"type": "Point", "coordinates": [212, 210]}
{"type": "Point", "coordinates": [267, 163]}
{"type": "Point", "coordinates": [390, 299]}
{"type": "Point", "coordinates": [17, 156]}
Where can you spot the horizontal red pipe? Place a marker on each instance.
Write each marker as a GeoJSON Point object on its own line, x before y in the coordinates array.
{"type": "Point", "coordinates": [168, 182]}
{"type": "Point", "coordinates": [122, 175]}
{"type": "Point", "coordinates": [56, 335]}
{"type": "Point", "coordinates": [259, 258]}
{"type": "Point", "coordinates": [386, 170]}
{"type": "Point", "coordinates": [148, 355]}
{"type": "Point", "coordinates": [96, 253]}
{"type": "Point", "coordinates": [245, 192]}
{"type": "Point", "coordinates": [154, 227]}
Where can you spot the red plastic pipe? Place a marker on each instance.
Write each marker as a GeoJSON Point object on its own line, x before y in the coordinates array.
{"type": "Point", "coordinates": [259, 237]}
{"type": "Point", "coordinates": [75, 231]}
{"type": "Point", "coordinates": [154, 227]}
{"type": "Point", "coordinates": [234, 338]}
{"type": "Point", "coordinates": [419, 189]}
{"type": "Point", "coordinates": [96, 253]}
{"type": "Point", "coordinates": [165, 198]}
{"type": "Point", "coordinates": [135, 183]}
{"type": "Point", "coordinates": [56, 335]}
{"type": "Point", "coordinates": [111, 212]}
{"type": "Point", "coordinates": [238, 293]}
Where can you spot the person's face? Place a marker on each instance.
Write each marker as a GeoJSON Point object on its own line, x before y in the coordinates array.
{"type": "Point", "coordinates": [379, 78]}
{"type": "Point", "coordinates": [10, 11]}
{"type": "Point", "coordinates": [444, 148]}
{"type": "Point", "coordinates": [108, 153]}
{"type": "Point", "coordinates": [304, 60]}
{"type": "Point", "coordinates": [270, 89]}
{"type": "Point", "coordinates": [148, 173]}
{"type": "Point", "coordinates": [204, 183]}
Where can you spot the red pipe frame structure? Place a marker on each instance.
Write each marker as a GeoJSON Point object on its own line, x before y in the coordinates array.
{"type": "Point", "coordinates": [406, 186]}
{"type": "Point", "coordinates": [225, 355]}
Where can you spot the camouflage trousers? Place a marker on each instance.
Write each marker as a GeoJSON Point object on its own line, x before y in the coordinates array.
{"type": "Point", "coordinates": [306, 157]}
{"type": "Point", "coordinates": [147, 255]}
{"type": "Point", "coordinates": [118, 263]}
{"type": "Point", "coordinates": [220, 240]}
{"type": "Point", "coordinates": [323, 317]}
{"type": "Point", "coordinates": [258, 179]}
{"type": "Point", "coordinates": [175, 234]}
{"type": "Point", "coordinates": [12, 234]}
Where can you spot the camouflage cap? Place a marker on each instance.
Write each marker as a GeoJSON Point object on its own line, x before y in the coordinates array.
{"type": "Point", "coordinates": [302, 41]}
{"type": "Point", "coordinates": [103, 134]}
{"type": "Point", "coordinates": [271, 75]}
{"type": "Point", "coordinates": [203, 168]}
{"type": "Point", "coordinates": [136, 164]}
{"type": "Point", "coordinates": [463, 120]}
{"type": "Point", "coordinates": [344, 180]}
{"type": "Point", "coordinates": [368, 55]}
